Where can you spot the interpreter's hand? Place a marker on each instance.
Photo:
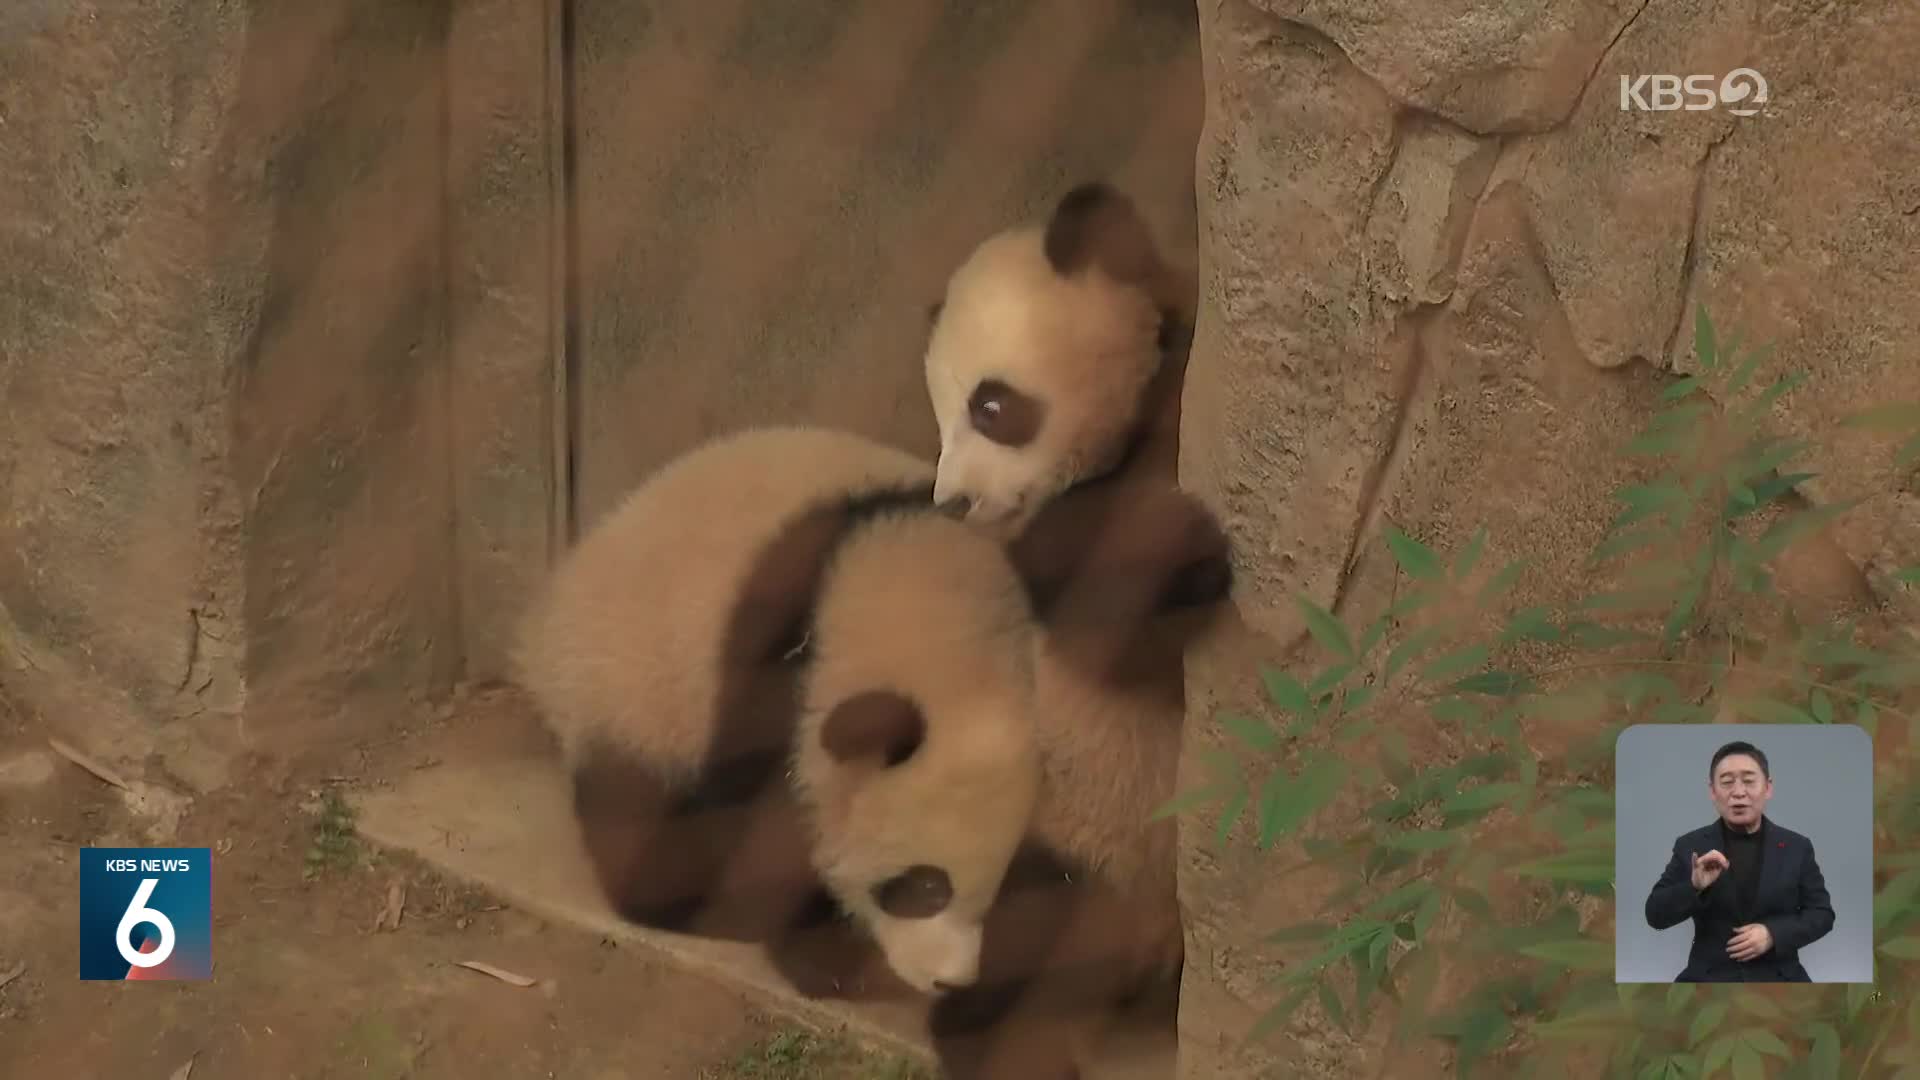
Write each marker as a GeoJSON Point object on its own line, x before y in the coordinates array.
{"type": "Point", "coordinates": [1708, 868]}
{"type": "Point", "coordinates": [1749, 941]}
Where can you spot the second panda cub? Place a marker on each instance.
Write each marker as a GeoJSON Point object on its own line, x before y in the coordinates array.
{"type": "Point", "coordinates": [786, 690]}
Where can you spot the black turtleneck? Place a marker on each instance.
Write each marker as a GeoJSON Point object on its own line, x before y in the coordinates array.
{"type": "Point", "coordinates": [1744, 852]}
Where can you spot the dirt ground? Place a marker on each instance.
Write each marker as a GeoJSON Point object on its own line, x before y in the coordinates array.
{"type": "Point", "coordinates": [307, 984]}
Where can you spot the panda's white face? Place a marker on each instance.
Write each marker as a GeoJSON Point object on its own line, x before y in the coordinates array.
{"type": "Point", "coordinates": [1036, 374]}
{"type": "Point", "coordinates": [918, 757]}
{"type": "Point", "coordinates": [921, 818]}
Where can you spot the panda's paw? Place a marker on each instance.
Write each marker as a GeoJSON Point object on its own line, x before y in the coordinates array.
{"type": "Point", "coordinates": [836, 966]}
{"type": "Point", "coordinates": [1199, 584]}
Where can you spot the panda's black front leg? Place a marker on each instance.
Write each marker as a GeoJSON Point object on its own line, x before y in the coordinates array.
{"type": "Point", "coordinates": [982, 1033]}
{"type": "Point", "coordinates": [1199, 584]}
{"type": "Point", "coordinates": [825, 955]}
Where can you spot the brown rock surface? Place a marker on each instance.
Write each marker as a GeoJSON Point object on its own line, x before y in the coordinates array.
{"type": "Point", "coordinates": [1443, 285]}
{"type": "Point", "coordinates": [118, 594]}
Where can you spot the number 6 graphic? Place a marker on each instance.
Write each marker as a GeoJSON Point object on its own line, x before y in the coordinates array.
{"type": "Point", "coordinates": [138, 912]}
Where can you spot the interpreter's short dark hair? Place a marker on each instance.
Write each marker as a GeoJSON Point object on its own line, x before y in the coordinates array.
{"type": "Point", "coordinates": [1739, 746]}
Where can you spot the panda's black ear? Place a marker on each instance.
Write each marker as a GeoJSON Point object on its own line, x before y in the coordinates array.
{"type": "Point", "coordinates": [878, 726]}
{"type": "Point", "coordinates": [1095, 224]}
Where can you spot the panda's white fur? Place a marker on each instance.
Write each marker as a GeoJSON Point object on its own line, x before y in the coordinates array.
{"type": "Point", "coordinates": [779, 581]}
{"type": "Point", "coordinates": [1055, 365]}
{"type": "Point", "coordinates": [1048, 356]}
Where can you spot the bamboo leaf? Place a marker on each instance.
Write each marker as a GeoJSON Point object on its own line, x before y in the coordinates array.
{"type": "Point", "coordinates": [1325, 628]}
{"type": "Point", "coordinates": [1230, 815]}
{"type": "Point", "coordinates": [1681, 389]}
{"type": "Point", "coordinates": [1821, 706]}
{"type": "Point", "coordinates": [1901, 416]}
{"type": "Point", "coordinates": [1330, 1002]}
{"type": "Point", "coordinates": [1456, 663]}
{"type": "Point", "coordinates": [1677, 997]}
{"type": "Point", "coordinates": [1703, 338]}
{"type": "Point", "coordinates": [1286, 802]}
{"type": "Point", "coordinates": [1498, 585]}
{"type": "Point", "coordinates": [1250, 730]}
{"type": "Point", "coordinates": [1323, 684]}
{"type": "Point", "coordinates": [1766, 1042]}
{"type": "Point", "coordinates": [1782, 386]}
{"type": "Point", "coordinates": [1581, 954]}
{"type": "Point", "coordinates": [1469, 556]}
{"type": "Point", "coordinates": [1412, 645]}
{"type": "Point", "coordinates": [1286, 692]}
{"type": "Point", "coordinates": [1718, 1053]}
{"type": "Point", "coordinates": [1908, 455]}
{"type": "Point", "coordinates": [1531, 624]}
{"type": "Point", "coordinates": [1184, 802]}
{"type": "Point", "coordinates": [1906, 948]}
{"type": "Point", "coordinates": [1483, 797]}
{"type": "Point", "coordinates": [1417, 559]}
{"type": "Point", "coordinates": [1824, 1063]}
{"type": "Point", "coordinates": [1705, 1021]}
{"type": "Point", "coordinates": [1429, 910]}
{"type": "Point", "coordinates": [1376, 630]}
{"type": "Point", "coordinates": [1494, 684]}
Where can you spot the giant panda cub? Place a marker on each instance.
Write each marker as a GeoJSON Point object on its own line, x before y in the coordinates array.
{"type": "Point", "coordinates": [1056, 358]}
{"type": "Point", "coordinates": [786, 690]}
{"type": "Point", "coordinates": [1054, 365]}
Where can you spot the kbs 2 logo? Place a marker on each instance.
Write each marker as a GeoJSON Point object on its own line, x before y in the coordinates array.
{"type": "Point", "coordinates": [1742, 92]}
{"type": "Point", "coordinates": [146, 913]}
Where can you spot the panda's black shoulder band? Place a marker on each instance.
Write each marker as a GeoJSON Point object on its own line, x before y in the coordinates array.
{"type": "Point", "coordinates": [870, 505]}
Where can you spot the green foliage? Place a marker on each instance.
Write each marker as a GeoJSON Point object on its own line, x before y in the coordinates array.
{"type": "Point", "coordinates": [1483, 859]}
{"type": "Point", "coordinates": [334, 843]}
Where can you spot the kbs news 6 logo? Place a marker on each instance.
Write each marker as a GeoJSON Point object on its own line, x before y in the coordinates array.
{"type": "Point", "coordinates": [146, 913]}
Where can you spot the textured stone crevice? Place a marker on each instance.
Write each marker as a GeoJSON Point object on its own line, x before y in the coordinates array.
{"type": "Point", "coordinates": [1606, 54]}
{"type": "Point", "coordinates": [1690, 261]}
{"type": "Point", "coordinates": [1402, 119]}
{"type": "Point", "coordinates": [1411, 339]}
{"type": "Point", "coordinates": [1414, 328]}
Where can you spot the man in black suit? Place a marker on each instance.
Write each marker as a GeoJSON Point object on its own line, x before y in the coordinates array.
{"type": "Point", "coordinates": [1750, 885]}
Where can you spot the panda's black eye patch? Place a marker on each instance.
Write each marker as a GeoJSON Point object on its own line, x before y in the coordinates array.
{"type": "Point", "coordinates": [877, 723]}
{"type": "Point", "coordinates": [919, 892]}
{"type": "Point", "coordinates": [1004, 415]}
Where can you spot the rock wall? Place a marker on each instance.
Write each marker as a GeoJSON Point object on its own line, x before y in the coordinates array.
{"type": "Point", "coordinates": [120, 592]}
{"type": "Point", "coordinates": [227, 460]}
{"type": "Point", "coordinates": [341, 407]}
{"type": "Point", "coordinates": [1445, 277]}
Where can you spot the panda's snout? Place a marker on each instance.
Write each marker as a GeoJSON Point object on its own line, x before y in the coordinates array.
{"type": "Point", "coordinates": [956, 507]}
{"type": "Point", "coordinates": [959, 973]}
